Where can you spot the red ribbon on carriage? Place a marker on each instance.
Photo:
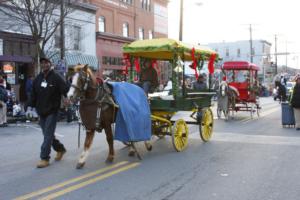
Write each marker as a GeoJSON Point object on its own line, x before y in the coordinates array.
{"type": "Point", "coordinates": [211, 62]}
{"type": "Point", "coordinates": [126, 62]}
{"type": "Point", "coordinates": [194, 64]}
{"type": "Point", "coordinates": [155, 66]}
{"type": "Point", "coordinates": [137, 64]}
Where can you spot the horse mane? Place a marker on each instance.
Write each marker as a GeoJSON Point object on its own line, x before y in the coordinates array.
{"type": "Point", "coordinates": [79, 67]}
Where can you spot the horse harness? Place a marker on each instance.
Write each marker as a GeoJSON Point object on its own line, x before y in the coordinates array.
{"type": "Point", "coordinates": [105, 99]}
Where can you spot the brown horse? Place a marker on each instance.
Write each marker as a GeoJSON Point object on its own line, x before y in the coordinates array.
{"type": "Point", "coordinates": [97, 110]}
{"type": "Point", "coordinates": [85, 87]}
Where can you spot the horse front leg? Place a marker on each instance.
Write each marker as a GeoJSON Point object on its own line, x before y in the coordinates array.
{"type": "Point", "coordinates": [110, 141]}
{"type": "Point", "coordinates": [87, 145]}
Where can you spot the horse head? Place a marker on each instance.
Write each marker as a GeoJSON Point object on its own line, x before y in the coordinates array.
{"type": "Point", "coordinates": [82, 80]}
{"type": "Point", "coordinates": [223, 88]}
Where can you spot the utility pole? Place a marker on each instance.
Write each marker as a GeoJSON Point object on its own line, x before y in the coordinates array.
{"type": "Point", "coordinates": [181, 20]}
{"type": "Point", "coordinates": [62, 32]}
{"type": "Point", "coordinates": [134, 20]}
{"type": "Point", "coordinates": [286, 56]}
{"type": "Point", "coordinates": [275, 54]}
{"type": "Point", "coordinates": [251, 48]}
{"type": "Point", "coordinates": [180, 39]}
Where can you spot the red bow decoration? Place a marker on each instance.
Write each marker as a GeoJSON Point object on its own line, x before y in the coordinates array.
{"type": "Point", "coordinates": [211, 63]}
{"type": "Point", "coordinates": [126, 56]}
{"type": "Point", "coordinates": [126, 69]}
{"type": "Point", "coordinates": [137, 65]}
{"type": "Point", "coordinates": [194, 63]}
{"type": "Point", "coordinates": [126, 62]}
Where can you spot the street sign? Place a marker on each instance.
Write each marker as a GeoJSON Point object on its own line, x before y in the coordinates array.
{"type": "Point", "coordinates": [61, 67]}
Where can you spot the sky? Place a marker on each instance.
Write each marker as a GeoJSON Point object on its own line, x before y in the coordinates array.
{"type": "Point", "coordinates": [207, 21]}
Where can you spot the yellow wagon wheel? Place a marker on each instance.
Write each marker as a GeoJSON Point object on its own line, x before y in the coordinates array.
{"type": "Point", "coordinates": [206, 125]}
{"type": "Point", "coordinates": [180, 134]}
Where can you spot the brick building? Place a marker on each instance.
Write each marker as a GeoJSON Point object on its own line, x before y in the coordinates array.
{"type": "Point", "coordinates": [122, 21]}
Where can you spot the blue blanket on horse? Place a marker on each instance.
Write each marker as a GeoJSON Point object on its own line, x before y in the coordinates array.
{"type": "Point", "coordinates": [133, 122]}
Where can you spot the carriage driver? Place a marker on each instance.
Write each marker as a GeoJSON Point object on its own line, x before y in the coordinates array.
{"type": "Point", "coordinates": [47, 89]}
{"type": "Point", "coordinates": [148, 77]}
{"type": "Point", "coordinates": [200, 84]}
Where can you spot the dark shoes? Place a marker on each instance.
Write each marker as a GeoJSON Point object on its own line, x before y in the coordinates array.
{"type": "Point", "coordinates": [298, 129]}
{"type": "Point", "coordinates": [42, 164]}
{"type": "Point", "coordinates": [59, 155]}
{"type": "Point", "coordinates": [45, 163]}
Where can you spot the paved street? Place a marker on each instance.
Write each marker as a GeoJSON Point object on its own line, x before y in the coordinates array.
{"type": "Point", "coordinates": [246, 159]}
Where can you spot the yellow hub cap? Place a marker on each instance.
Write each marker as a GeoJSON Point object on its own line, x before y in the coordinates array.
{"type": "Point", "coordinates": [180, 134]}
{"type": "Point", "coordinates": [206, 126]}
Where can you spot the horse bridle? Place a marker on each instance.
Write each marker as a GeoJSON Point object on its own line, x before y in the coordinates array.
{"type": "Point", "coordinates": [83, 89]}
{"type": "Point", "coordinates": [86, 85]}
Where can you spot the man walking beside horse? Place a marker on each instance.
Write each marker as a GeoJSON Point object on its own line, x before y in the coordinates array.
{"type": "Point", "coordinates": [46, 97]}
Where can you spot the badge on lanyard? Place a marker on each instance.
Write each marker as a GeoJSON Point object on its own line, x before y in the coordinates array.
{"type": "Point", "coordinates": [44, 84]}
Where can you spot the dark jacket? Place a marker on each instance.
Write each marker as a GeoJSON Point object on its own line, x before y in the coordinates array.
{"type": "Point", "coordinates": [28, 86]}
{"type": "Point", "coordinates": [3, 94]}
{"type": "Point", "coordinates": [47, 97]}
{"type": "Point", "coordinates": [149, 74]}
{"type": "Point", "coordinates": [296, 97]}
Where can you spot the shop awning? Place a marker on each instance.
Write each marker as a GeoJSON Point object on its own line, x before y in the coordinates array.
{"type": "Point", "coordinates": [23, 59]}
{"type": "Point", "coordinates": [73, 59]}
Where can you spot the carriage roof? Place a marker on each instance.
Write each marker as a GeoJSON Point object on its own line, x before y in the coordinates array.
{"type": "Point", "coordinates": [240, 65]}
{"type": "Point", "coordinates": [164, 49]}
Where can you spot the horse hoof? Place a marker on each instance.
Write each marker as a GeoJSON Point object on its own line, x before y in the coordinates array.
{"type": "Point", "coordinates": [149, 147]}
{"type": "Point", "coordinates": [131, 153]}
{"type": "Point", "coordinates": [79, 165]}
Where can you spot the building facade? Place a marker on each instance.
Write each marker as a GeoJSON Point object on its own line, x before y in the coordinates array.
{"type": "Point", "coordinates": [79, 37]}
{"type": "Point", "coordinates": [122, 21]}
{"type": "Point", "coordinates": [240, 51]}
{"type": "Point", "coordinates": [18, 49]}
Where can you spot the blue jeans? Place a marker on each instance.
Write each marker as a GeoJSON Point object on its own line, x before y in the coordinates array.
{"type": "Point", "coordinates": [48, 125]}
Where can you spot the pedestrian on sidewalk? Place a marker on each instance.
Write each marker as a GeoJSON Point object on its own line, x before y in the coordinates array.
{"type": "Point", "coordinates": [295, 102]}
{"type": "Point", "coordinates": [48, 87]}
{"type": "Point", "coordinates": [3, 100]}
{"type": "Point", "coordinates": [28, 89]}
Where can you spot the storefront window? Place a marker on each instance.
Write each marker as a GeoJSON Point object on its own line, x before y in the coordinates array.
{"type": "Point", "coordinates": [125, 29]}
{"type": "Point", "coordinates": [141, 33]}
{"type": "Point", "coordinates": [76, 37]}
{"type": "Point", "coordinates": [101, 21]}
{"type": "Point", "coordinates": [150, 34]}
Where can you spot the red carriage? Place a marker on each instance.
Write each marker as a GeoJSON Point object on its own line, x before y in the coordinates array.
{"type": "Point", "coordinates": [242, 78]}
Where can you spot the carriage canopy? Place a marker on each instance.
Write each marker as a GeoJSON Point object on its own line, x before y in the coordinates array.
{"type": "Point", "coordinates": [164, 49]}
{"type": "Point", "coordinates": [240, 65]}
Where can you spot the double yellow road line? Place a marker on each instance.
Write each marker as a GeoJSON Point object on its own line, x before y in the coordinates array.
{"type": "Point", "coordinates": [94, 177]}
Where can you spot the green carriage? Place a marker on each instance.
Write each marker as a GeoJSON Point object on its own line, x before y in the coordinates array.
{"type": "Point", "coordinates": [179, 98]}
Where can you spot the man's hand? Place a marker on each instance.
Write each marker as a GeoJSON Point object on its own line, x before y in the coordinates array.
{"type": "Point", "coordinates": [67, 102]}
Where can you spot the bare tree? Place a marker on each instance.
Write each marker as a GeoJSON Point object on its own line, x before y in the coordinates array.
{"type": "Point", "coordinates": [41, 18]}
